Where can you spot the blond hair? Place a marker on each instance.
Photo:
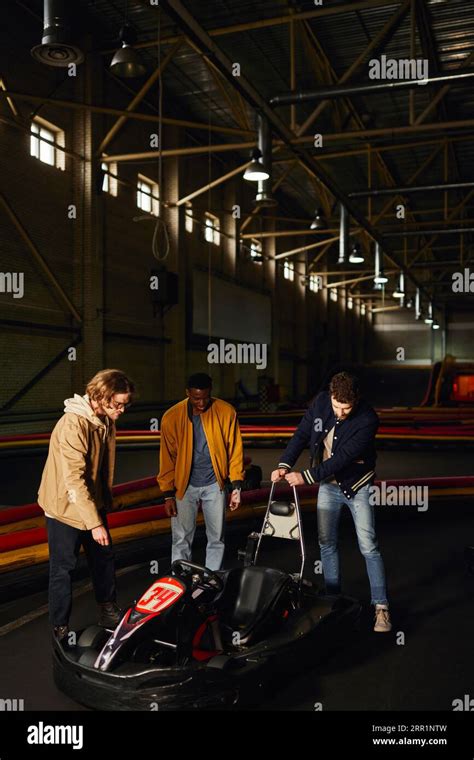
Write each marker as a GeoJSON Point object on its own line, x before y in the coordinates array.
{"type": "Point", "coordinates": [106, 383]}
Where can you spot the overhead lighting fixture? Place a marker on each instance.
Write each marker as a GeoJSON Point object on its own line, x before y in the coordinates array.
{"type": "Point", "coordinates": [399, 292]}
{"type": "Point", "coordinates": [379, 276]}
{"type": "Point", "coordinates": [409, 303]}
{"type": "Point", "coordinates": [429, 319]}
{"type": "Point", "coordinates": [343, 234]}
{"type": "Point", "coordinates": [357, 256]}
{"type": "Point", "coordinates": [319, 221]}
{"type": "Point", "coordinates": [56, 49]}
{"type": "Point", "coordinates": [435, 325]}
{"type": "Point", "coordinates": [264, 197]}
{"type": "Point", "coordinates": [417, 304]}
{"type": "Point", "coordinates": [256, 170]}
{"type": "Point", "coordinates": [125, 63]}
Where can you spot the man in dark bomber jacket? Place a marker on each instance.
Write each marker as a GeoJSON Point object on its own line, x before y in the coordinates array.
{"type": "Point", "coordinates": [339, 427]}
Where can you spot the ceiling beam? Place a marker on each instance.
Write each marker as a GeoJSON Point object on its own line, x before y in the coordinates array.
{"type": "Point", "coordinates": [322, 12]}
{"type": "Point", "coordinates": [113, 131]}
{"type": "Point", "coordinates": [387, 30]}
{"type": "Point", "coordinates": [76, 106]}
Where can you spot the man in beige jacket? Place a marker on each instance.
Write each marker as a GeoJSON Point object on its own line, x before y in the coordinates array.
{"type": "Point", "coordinates": [76, 493]}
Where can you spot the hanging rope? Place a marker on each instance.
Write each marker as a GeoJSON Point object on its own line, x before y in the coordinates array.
{"type": "Point", "coordinates": [209, 252]}
{"type": "Point", "coordinates": [159, 248]}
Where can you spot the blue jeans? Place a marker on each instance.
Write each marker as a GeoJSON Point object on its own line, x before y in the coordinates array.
{"type": "Point", "coordinates": [183, 526]}
{"type": "Point", "coordinates": [330, 503]}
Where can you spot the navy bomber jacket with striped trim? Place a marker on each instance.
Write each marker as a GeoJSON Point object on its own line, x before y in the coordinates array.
{"type": "Point", "coordinates": [352, 460]}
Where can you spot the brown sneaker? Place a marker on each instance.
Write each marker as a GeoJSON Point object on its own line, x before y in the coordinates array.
{"type": "Point", "coordinates": [382, 619]}
{"type": "Point", "coordinates": [61, 632]}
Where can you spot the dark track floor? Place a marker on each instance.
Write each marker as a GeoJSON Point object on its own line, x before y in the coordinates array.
{"type": "Point", "coordinates": [432, 601]}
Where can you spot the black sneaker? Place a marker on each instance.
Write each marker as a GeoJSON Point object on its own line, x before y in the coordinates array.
{"type": "Point", "coordinates": [109, 615]}
{"type": "Point", "coordinates": [61, 632]}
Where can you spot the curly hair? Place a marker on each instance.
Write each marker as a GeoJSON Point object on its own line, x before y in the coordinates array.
{"type": "Point", "coordinates": [345, 388]}
{"type": "Point", "coordinates": [106, 383]}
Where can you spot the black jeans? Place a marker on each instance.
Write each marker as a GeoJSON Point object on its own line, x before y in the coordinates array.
{"type": "Point", "coordinates": [64, 545]}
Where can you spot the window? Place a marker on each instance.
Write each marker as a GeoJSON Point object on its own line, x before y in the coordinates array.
{"type": "Point", "coordinates": [110, 183]}
{"type": "Point", "coordinates": [350, 302]}
{"type": "Point", "coordinates": [256, 251]}
{"type": "Point", "coordinates": [333, 294]}
{"type": "Point", "coordinates": [44, 143]}
{"type": "Point", "coordinates": [211, 228]}
{"type": "Point", "coordinates": [289, 271]}
{"type": "Point", "coordinates": [314, 282]}
{"type": "Point", "coordinates": [189, 218]}
{"type": "Point", "coordinates": [148, 195]}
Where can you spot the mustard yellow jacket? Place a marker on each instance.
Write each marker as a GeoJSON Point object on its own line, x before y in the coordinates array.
{"type": "Point", "coordinates": [222, 432]}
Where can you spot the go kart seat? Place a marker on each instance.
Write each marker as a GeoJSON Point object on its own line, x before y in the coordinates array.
{"type": "Point", "coordinates": [252, 601]}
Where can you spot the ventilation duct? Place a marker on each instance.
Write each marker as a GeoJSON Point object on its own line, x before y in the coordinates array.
{"type": "Point", "coordinates": [56, 48]}
{"type": "Point", "coordinates": [418, 304]}
{"type": "Point", "coordinates": [343, 234]}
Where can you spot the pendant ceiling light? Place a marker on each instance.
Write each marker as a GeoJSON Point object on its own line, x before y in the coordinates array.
{"type": "Point", "coordinates": [357, 256]}
{"type": "Point", "coordinates": [379, 276]}
{"type": "Point", "coordinates": [256, 170]}
{"type": "Point", "coordinates": [319, 221]}
{"type": "Point", "coordinates": [125, 63]}
{"type": "Point", "coordinates": [399, 292]}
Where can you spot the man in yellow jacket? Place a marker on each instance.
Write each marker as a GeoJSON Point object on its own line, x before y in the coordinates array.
{"type": "Point", "coordinates": [200, 448]}
{"type": "Point", "coordinates": [76, 492]}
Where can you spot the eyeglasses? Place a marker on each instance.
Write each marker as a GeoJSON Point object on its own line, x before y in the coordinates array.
{"type": "Point", "coordinates": [114, 405]}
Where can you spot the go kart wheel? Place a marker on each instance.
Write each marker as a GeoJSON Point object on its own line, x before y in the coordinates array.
{"type": "Point", "coordinates": [88, 658]}
{"type": "Point", "coordinates": [93, 636]}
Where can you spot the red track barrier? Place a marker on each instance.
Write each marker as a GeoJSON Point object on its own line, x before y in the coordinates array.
{"type": "Point", "coordinates": [15, 514]}
{"type": "Point", "coordinates": [34, 536]}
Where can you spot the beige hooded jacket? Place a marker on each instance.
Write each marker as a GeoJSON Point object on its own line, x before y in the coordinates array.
{"type": "Point", "coordinates": [78, 474]}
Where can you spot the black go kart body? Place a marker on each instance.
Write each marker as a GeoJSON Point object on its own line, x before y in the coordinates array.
{"type": "Point", "coordinates": [202, 639]}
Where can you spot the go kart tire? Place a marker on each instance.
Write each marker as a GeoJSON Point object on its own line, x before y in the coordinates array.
{"type": "Point", "coordinates": [94, 636]}
{"type": "Point", "coordinates": [88, 657]}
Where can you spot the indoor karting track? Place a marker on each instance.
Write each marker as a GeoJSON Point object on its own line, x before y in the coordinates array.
{"type": "Point", "coordinates": [431, 597]}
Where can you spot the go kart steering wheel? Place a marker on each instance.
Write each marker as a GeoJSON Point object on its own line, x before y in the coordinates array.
{"type": "Point", "coordinates": [208, 579]}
